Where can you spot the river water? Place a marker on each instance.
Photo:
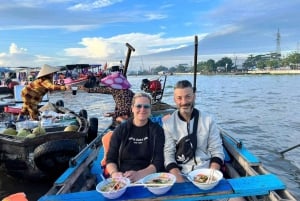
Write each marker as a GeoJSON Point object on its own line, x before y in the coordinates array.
{"type": "Point", "coordinates": [261, 110]}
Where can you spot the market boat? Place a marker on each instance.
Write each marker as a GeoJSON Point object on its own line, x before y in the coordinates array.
{"type": "Point", "coordinates": [244, 177]}
{"type": "Point", "coordinates": [77, 74]}
{"type": "Point", "coordinates": [46, 155]}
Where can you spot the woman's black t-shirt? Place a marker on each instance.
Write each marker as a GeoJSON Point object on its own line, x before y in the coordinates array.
{"type": "Point", "coordinates": [135, 153]}
{"type": "Point", "coordinates": [135, 148]}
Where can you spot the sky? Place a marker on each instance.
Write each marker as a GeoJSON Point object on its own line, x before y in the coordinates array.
{"type": "Point", "coordinates": [61, 32]}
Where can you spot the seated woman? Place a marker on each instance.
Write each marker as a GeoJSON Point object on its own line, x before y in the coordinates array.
{"type": "Point", "coordinates": [136, 146]}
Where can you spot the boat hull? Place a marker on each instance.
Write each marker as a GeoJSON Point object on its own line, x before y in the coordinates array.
{"type": "Point", "coordinates": [44, 156]}
{"type": "Point", "coordinates": [244, 178]}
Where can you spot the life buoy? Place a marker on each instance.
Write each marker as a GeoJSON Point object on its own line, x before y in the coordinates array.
{"type": "Point", "coordinates": [55, 82]}
{"type": "Point", "coordinates": [93, 129]}
{"type": "Point", "coordinates": [62, 82]}
{"type": "Point", "coordinates": [53, 157]}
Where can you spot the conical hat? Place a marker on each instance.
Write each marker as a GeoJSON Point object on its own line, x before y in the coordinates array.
{"type": "Point", "coordinates": [46, 70]}
{"type": "Point", "coordinates": [116, 81]}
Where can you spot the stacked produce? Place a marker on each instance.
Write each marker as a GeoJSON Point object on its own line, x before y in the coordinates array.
{"type": "Point", "coordinates": [31, 133]}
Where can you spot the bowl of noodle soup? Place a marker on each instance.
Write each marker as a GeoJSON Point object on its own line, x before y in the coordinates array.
{"type": "Point", "coordinates": [113, 188]}
{"type": "Point", "coordinates": [159, 183]}
{"type": "Point", "coordinates": [205, 178]}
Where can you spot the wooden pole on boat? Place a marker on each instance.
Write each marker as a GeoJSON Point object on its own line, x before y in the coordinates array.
{"type": "Point", "coordinates": [130, 48]}
{"type": "Point", "coordinates": [195, 63]}
{"type": "Point", "coordinates": [289, 149]}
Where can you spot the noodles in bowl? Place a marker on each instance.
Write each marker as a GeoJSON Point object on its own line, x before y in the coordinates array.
{"type": "Point", "coordinates": [159, 183]}
{"type": "Point", "coordinates": [205, 178]}
{"type": "Point", "coordinates": [113, 188]}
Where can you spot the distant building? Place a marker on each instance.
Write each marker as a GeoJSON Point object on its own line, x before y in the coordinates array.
{"type": "Point", "coordinates": [184, 65]}
{"type": "Point", "coordinates": [221, 69]}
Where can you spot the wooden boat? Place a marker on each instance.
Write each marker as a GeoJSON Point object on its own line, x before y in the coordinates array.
{"type": "Point", "coordinates": [81, 73]}
{"type": "Point", "coordinates": [245, 177]}
{"type": "Point", "coordinates": [47, 155]}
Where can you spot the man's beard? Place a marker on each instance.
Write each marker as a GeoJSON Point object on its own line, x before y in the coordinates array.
{"type": "Point", "coordinates": [186, 108]}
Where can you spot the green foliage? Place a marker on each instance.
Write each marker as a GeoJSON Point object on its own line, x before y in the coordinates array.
{"type": "Point", "coordinates": [292, 60]}
{"type": "Point", "coordinates": [272, 60]}
{"type": "Point", "coordinates": [181, 68]}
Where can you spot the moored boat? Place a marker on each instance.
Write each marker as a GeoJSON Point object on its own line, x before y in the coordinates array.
{"type": "Point", "coordinates": [41, 150]}
{"type": "Point", "coordinates": [77, 74]}
{"type": "Point", "coordinates": [244, 177]}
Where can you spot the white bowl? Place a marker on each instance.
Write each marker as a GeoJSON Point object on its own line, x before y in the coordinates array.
{"type": "Point", "coordinates": [208, 184]}
{"type": "Point", "coordinates": [161, 189]}
{"type": "Point", "coordinates": [113, 194]}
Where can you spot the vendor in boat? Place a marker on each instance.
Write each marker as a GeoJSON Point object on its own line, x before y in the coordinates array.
{"type": "Point", "coordinates": [119, 87]}
{"type": "Point", "coordinates": [32, 94]}
{"type": "Point", "coordinates": [205, 137]}
{"type": "Point", "coordinates": [136, 146]}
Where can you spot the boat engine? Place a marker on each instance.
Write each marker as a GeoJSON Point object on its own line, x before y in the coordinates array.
{"type": "Point", "coordinates": [152, 87]}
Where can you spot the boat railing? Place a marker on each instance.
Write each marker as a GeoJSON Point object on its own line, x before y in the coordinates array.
{"type": "Point", "coordinates": [93, 145]}
{"type": "Point", "coordinates": [238, 143]}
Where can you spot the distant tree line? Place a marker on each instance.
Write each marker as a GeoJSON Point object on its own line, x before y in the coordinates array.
{"type": "Point", "coordinates": [271, 61]}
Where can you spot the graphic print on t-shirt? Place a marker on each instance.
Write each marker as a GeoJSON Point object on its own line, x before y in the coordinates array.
{"type": "Point", "coordinates": [137, 140]}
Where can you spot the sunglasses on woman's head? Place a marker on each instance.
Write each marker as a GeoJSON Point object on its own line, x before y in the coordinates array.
{"type": "Point", "coordinates": [145, 106]}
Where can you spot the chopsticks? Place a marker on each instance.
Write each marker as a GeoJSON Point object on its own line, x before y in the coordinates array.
{"type": "Point", "coordinates": [211, 175]}
{"type": "Point", "coordinates": [113, 188]}
{"type": "Point", "coordinates": [149, 185]}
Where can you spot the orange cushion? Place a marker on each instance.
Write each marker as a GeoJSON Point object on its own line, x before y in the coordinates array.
{"type": "Point", "coordinates": [16, 197]}
{"type": "Point", "coordinates": [105, 143]}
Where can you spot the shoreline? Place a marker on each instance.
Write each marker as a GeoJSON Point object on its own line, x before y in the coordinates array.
{"type": "Point", "coordinates": [256, 72]}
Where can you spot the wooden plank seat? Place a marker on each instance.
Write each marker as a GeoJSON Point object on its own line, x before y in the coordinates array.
{"type": "Point", "coordinates": [227, 188]}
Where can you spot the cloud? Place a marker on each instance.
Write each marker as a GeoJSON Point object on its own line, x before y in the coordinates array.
{"type": "Point", "coordinates": [114, 47]}
{"type": "Point", "coordinates": [153, 16]}
{"type": "Point", "coordinates": [18, 56]}
{"type": "Point", "coordinates": [98, 50]}
{"type": "Point", "coordinates": [94, 5]}
{"type": "Point", "coordinates": [73, 28]}
{"type": "Point", "coordinates": [13, 49]}
{"type": "Point", "coordinates": [92, 31]}
{"type": "Point", "coordinates": [93, 48]}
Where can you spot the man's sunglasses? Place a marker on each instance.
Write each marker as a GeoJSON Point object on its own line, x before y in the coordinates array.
{"type": "Point", "coordinates": [145, 106]}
